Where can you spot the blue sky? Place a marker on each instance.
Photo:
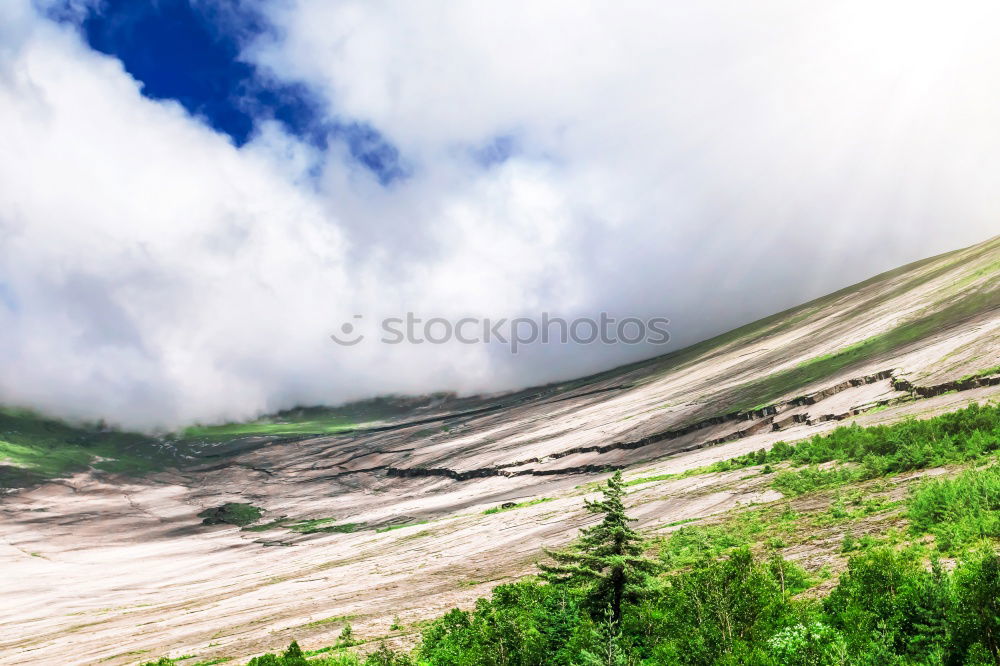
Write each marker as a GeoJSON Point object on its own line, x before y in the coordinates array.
{"type": "Point", "coordinates": [190, 53]}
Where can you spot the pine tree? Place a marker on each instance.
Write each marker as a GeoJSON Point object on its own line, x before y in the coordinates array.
{"type": "Point", "coordinates": [293, 656]}
{"type": "Point", "coordinates": [607, 558]}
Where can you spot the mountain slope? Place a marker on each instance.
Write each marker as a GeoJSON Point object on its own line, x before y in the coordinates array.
{"type": "Point", "coordinates": [377, 510]}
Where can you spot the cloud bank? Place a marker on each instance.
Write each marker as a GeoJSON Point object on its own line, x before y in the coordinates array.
{"type": "Point", "coordinates": [709, 163]}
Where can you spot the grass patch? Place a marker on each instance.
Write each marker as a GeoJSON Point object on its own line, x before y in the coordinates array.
{"type": "Point", "coordinates": [33, 447]}
{"type": "Point", "coordinates": [965, 435]}
{"type": "Point", "coordinates": [852, 506]}
{"type": "Point", "coordinates": [691, 545]}
{"type": "Point", "coordinates": [989, 269]}
{"type": "Point", "coordinates": [986, 372]}
{"type": "Point", "coordinates": [336, 619]}
{"type": "Point", "coordinates": [264, 527]}
{"type": "Point", "coordinates": [797, 482]}
{"type": "Point", "coordinates": [682, 522]}
{"type": "Point", "coordinates": [323, 525]}
{"type": "Point", "coordinates": [768, 389]}
{"type": "Point", "coordinates": [389, 528]}
{"type": "Point", "coordinates": [167, 661]}
{"type": "Point", "coordinates": [231, 513]}
{"type": "Point", "coordinates": [651, 479]}
{"type": "Point", "coordinates": [276, 426]}
{"type": "Point", "coordinates": [519, 505]}
{"type": "Point", "coordinates": [772, 527]}
{"type": "Point", "coordinates": [302, 421]}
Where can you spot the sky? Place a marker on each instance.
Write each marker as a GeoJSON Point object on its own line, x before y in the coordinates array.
{"type": "Point", "coordinates": [194, 194]}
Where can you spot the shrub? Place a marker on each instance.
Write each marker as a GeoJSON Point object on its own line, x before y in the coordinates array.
{"type": "Point", "coordinates": [958, 511]}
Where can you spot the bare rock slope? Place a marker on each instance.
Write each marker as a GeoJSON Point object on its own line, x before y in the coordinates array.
{"type": "Point", "coordinates": [388, 521]}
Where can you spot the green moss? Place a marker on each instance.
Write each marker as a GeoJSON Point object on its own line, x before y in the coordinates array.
{"type": "Point", "coordinates": [303, 421]}
{"type": "Point", "coordinates": [336, 619]}
{"type": "Point", "coordinates": [650, 479]}
{"type": "Point", "coordinates": [389, 528]}
{"type": "Point", "coordinates": [985, 372]}
{"type": "Point", "coordinates": [984, 271]}
{"type": "Point", "coordinates": [231, 513]}
{"type": "Point", "coordinates": [519, 505]}
{"type": "Point", "coordinates": [274, 524]}
{"type": "Point", "coordinates": [270, 427]}
{"type": "Point", "coordinates": [317, 525]}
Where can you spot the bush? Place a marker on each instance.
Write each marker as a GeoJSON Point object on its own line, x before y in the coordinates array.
{"type": "Point", "coordinates": [813, 478]}
{"type": "Point", "coordinates": [958, 511]}
{"type": "Point", "coordinates": [975, 616]}
{"type": "Point", "coordinates": [815, 644]}
{"type": "Point", "coordinates": [966, 434]}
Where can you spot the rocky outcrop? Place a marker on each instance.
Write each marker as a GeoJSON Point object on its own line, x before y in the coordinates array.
{"type": "Point", "coordinates": [762, 419]}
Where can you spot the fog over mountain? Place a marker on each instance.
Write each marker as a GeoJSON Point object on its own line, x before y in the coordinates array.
{"type": "Point", "coordinates": [709, 164]}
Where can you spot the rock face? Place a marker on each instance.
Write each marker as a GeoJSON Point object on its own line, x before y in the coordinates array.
{"type": "Point", "coordinates": [391, 520]}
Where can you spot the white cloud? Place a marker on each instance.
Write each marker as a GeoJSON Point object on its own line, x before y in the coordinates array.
{"type": "Point", "coordinates": [708, 163]}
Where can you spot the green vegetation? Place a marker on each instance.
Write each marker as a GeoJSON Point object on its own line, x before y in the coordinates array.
{"type": "Point", "coordinates": [958, 511]}
{"type": "Point", "coordinates": [519, 505]}
{"type": "Point", "coordinates": [231, 513]}
{"type": "Point", "coordinates": [985, 372]}
{"type": "Point", "coordinates": [305, 421]}
{"type": "Point", "coordinates": [987, 270]}
{"type": "Point", "coordinates": [815, 478]}
{"type": "Point", "coordinates": [331, 656]}
{"type": "Point", "coordinates": [607, 558]}
{"type": "Point", "coordinates": [167, 661]}
{"type": "Point", "coordinates": [775, 526]}
{"type": "Point", "coordinates": [850, 454]}
{"type": "Point", "coordinates": [766, 390]}
{"type": "Point", "coordinates": [651, 479]}
{"type": "Point", "coordinates": [336, 619]}
{"type": "Point", "coordinates": [264, 527]}
{"type": "Point", "coordinates": [962, 436]}
{"type": "Point", "coordinates": [389, 528]}
{"type": "Point", "coordinates": [714, 602]}
{"type": "Point", "coordinates": [690, 545]}
{"type": "Point", "coordinates": [33, 447]}
{"type": "Point", "coordinates": [316, 525]}
{"type": "Point", "coordinates": [712, 598]}
{"type": "Point", "coordinates": [323, 422]}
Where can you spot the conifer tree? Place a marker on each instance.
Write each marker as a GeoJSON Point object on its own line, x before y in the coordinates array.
{"type": "Point", "coordinates": [607, 558]}
{"type": "Point", "coordinates": [294, 655]}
